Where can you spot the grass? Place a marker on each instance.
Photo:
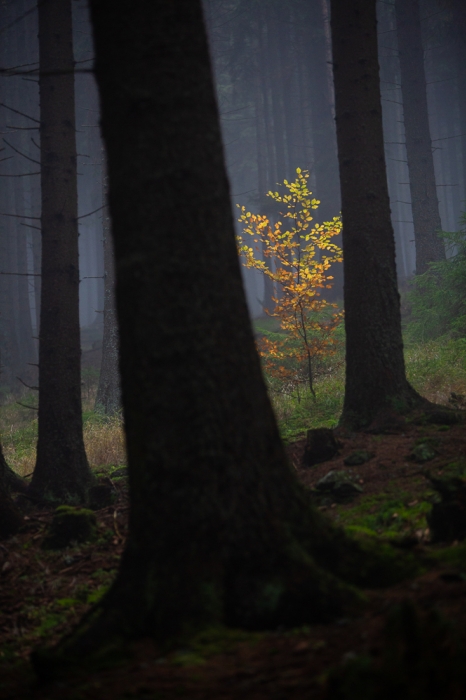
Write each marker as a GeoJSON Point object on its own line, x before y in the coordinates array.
{"type": "Point", "coordinates": [103, 437]}
{"type": "Point", "coordinates": [435, 369]}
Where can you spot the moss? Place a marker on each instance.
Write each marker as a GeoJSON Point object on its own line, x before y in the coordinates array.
{"type": "Point", "coordinates": [379, 565]}
{"type": "Point", "coordinates": [422, 657]}
{"type": "Point", "coordinates": [70, 525]}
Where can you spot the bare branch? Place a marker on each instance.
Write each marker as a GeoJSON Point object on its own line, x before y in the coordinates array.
{"type": "Point", "coordinates": [34, 388]}
{"type": "Point", "coordinates": [2, 104]}
{"type": "Point", "coordinates": [25, 405]}
{"type": "Point", "coordinates": [21, 216]}
{"type": "Point", "coordinates": [91, 212]}
{"type": "Point", "coordinates": [22, 174]}
{"type": "Point", "coordinates": [22, 274]}
{"type": "Point", "coordinates": [37, 162]}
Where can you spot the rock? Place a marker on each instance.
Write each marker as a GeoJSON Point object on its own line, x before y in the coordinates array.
{"type": "Point", "coordinates": [422, 452]}
{"type": "Point", "coordinates": [117, 473]}
{"type": "Point", "coordinates": [321, 446]}
{"type": "Point", "coordinates": [447, 519]}
{"type": "Point", "coordinates": [358, 457]}
{"type": "Point", "coordinates": [101, 496]}
{"type": "Point", "coordinates": [70, 525]}
{"type": "Point", "coordinates": [340, 486]}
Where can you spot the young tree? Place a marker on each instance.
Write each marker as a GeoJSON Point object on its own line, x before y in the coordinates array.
{"type": "Point", "coordinates": [220, 529]}
{"type": "Point", "coordinates": [426, 216]}
{"type": "Point", "coordinates": [61, 471]}
{"type": "Point", "coordinates": [375, 370]}
{"type": "Point", "coordinates": [303, 255]}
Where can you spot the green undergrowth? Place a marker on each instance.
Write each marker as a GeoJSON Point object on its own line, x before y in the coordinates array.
{"type": "Point", "coordinates": [436, 369]}
{"type": "Point", "coordinates": [387, 514]}
{"type": "Point", "coordinates": [211, 642]}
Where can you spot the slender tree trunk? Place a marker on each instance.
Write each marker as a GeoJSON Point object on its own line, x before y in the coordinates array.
{"type": "Point", "coordinates": [108, 397]}
{"type": "Point", "coordinates": [62, 471]}
{"type": "Point", "coordinates": [426, 216]}
{"type": "Point", "coordinates": [375, 370]}
{"type": "Point", "coordinates": [265, 153]}
{"type": "Point", "coordinates": [220, 529]}
{"type": "Point", "coordinates": [10, 517]}
{"type": "Point", "coordinates": [459, 38]}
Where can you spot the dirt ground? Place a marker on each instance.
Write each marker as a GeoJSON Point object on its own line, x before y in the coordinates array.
{"type": "Point", "coordinates": [42, 594]}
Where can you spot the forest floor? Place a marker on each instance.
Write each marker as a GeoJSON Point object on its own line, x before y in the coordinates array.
{"type": "Point", "coordinates": [44, 593]}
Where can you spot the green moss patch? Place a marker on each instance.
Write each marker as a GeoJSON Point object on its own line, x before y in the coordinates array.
{"type": "Point", "coordinates": [70, 525]}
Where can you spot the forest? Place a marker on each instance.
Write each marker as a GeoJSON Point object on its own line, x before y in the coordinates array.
{"type": "Point", "coordinates": [233, 349]}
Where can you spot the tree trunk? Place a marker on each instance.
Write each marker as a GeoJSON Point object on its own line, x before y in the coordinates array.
{"type": "Point", "coordinates": [62, 471]}
{"type": "Point", "coordinates": [220, 529]}
{"type": "Point", "coordinates": [375, 370]}
{"type": "Point", "coordinates": [426, 217]}
{"type": "Point", "coordinates": [108, 399]}
{"type": "Point", "coordinates": [10, 517]}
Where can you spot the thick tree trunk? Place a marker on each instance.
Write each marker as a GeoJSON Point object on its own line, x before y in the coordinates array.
{"type": "Point", "coordinates": [10, 517]}
{"type": "Point", "coordinates": [108, 399]}
{"type": "Point", "coordinates": [375, 370]}
{"type": "Point", "coordinates": [220, 529]}
{"type": "Point", "coordinates": [62, 471]}
{"type": "Point", "coordinates": [424, 201]}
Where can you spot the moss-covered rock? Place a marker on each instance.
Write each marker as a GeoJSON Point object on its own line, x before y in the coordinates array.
{"type": "Point", "coordinates": [70, 525]}
{"type": "Point", "coordinates": [422, 657]}
{"type": "Point", "coordinates": [321, 445]}
{"type": "Point", "coordinates": [340, 485]}
{"type": "Point", "coordinates": [423, 452]}
{"type": "Point", "coordinates": [101, 495]}
{"type": "Point", "coordinates": [358, 457]}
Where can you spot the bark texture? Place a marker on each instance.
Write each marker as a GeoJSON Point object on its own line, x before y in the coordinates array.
{"type": "Point", "coordinates": [62, 471]}
{"type": "Point", "coordinates": [10, 517]}
{"type": "Point", "coordinates": [220, 529]}
{"type": "Point", "coordinates": [424, 201]}
{"type": "Point", "coordinates": [375, 370]}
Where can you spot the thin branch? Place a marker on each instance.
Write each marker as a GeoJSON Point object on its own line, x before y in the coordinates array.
{"type": "Point", "coordinates": [445, 138]}
{"type": "Point", "coordinates": [38, 228]}
{"type": "Point", "coordinates": [34, 388]}
{"type": "Point", "coordinates": [16, 111]}
{"type": "Point", "coordinates": [83, 216]}
{"type": "Point", "coordinates": [37, 162]}
{"type": "Point", "coordinates": [25, 405]}
{"type": "Point", "coordinates": [22, 174]}
{"type": "Point", "coordinates": [22, 274]}
{"type": "Point", "coordinates": [21, 216]}
{"type": "Point", "coordinates": [22, 128]}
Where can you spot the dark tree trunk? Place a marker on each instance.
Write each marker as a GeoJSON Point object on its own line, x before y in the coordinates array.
{"type": "Point", "coordinates": [375, 370]}
{"type": "Point", "coordinates": [10, 517]}
{"type": "Point", "coordinates": [459, 38]}
{"type": "Point", "coordinates": [62, 471]}
{"type": "Point", "coordinates": [426, 217]}
{"type": "Point", "coordinates": [108, 399]}
{"type": "Point", "coordinates": [323, 124]}
{"type": "Point", "coordinates": [220, 529]}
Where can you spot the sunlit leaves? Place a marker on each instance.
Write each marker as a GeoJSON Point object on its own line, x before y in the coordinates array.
{"type": "Point", "coordinates": [297, 257]}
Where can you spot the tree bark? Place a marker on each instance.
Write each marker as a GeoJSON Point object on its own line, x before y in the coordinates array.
{"type": "Point", "coordinates": [375, 369]}
{"type": "Point", "coordinates": [424, 201]}
{"type": "Point", "coordinates": [10, 517]}
{"type": "Point", "coordinates": [62, 471]}
{"type": "Point", "coordinates": [220, 529]}
{"type": "Point", "coordinates": [108, 399]}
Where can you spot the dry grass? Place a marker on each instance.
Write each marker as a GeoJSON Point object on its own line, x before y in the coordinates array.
{"type": "Point", "coordinates": [105, 442]}
{"type": "Point", "coordinates": [103, 437]}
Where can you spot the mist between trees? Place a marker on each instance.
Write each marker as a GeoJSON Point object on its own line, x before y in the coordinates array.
{"type": "Point", "coordinates": [273, 74]}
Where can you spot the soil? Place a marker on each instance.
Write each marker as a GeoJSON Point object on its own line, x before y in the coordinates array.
{"type": "Point", "coordinates": [43, 594]}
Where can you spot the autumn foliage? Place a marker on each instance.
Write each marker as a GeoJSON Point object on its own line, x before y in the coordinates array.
{"type": "Point", "coordinates": [297, 256]}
